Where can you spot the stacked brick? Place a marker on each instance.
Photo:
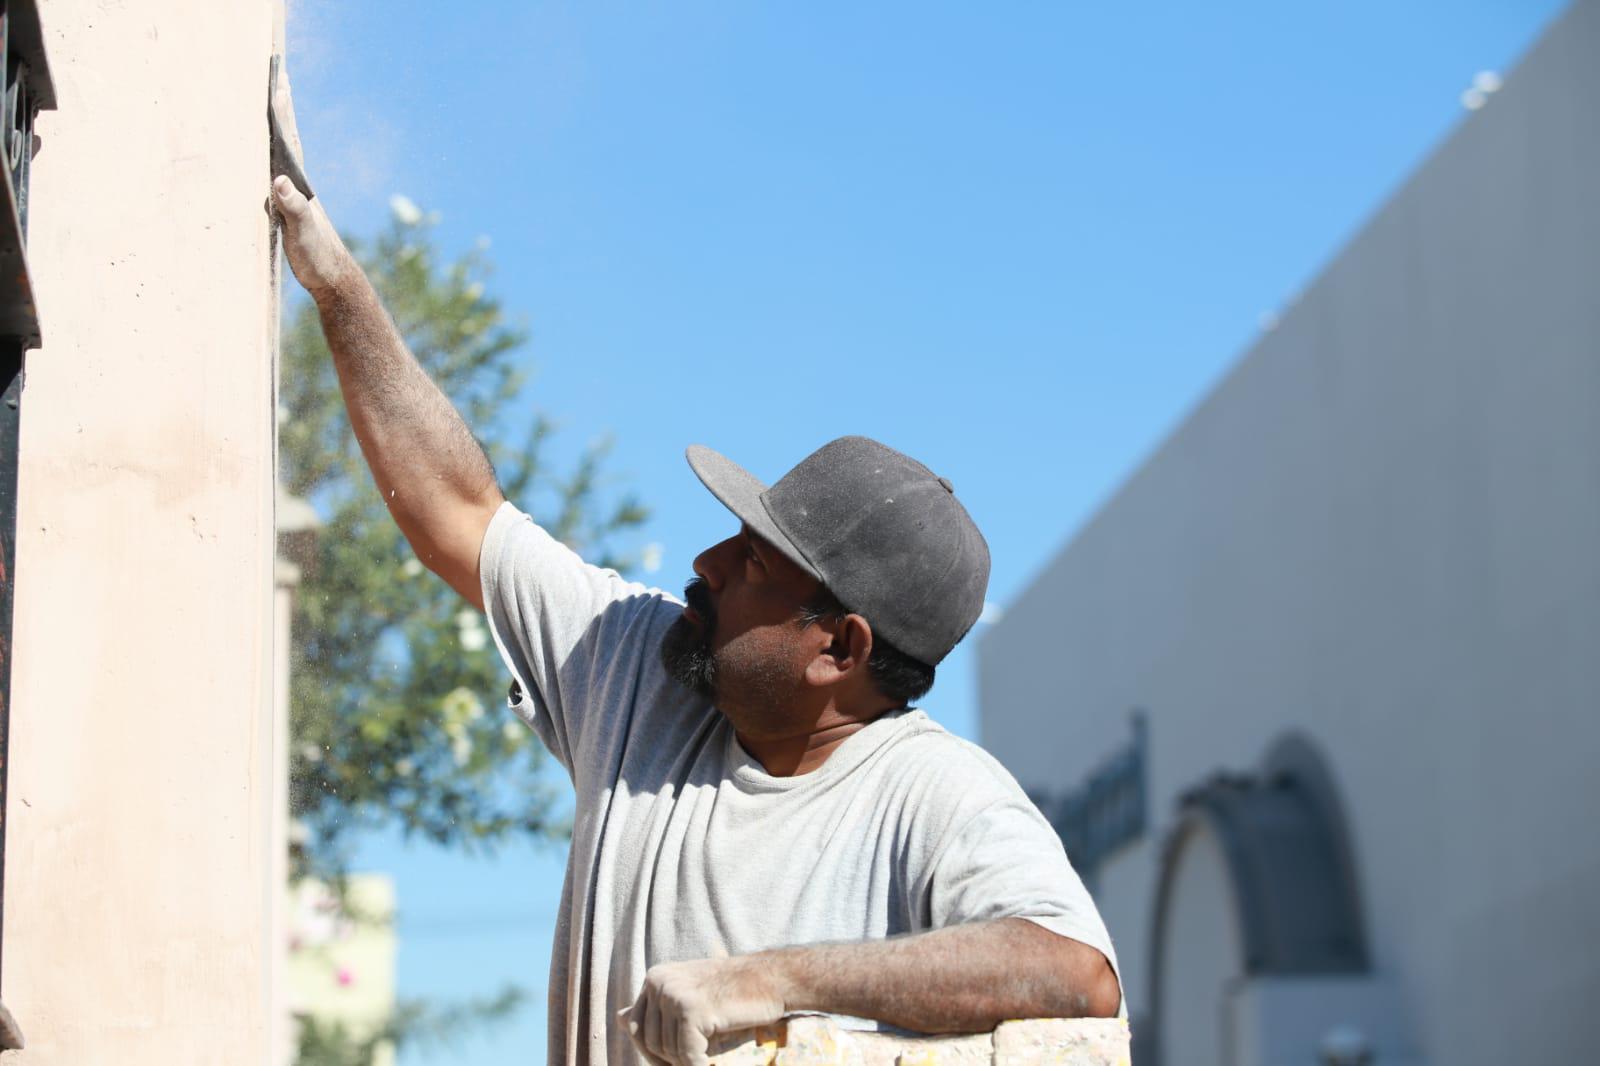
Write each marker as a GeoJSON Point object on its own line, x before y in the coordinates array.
{"type": "Point", "coordinates": [818, 1041]}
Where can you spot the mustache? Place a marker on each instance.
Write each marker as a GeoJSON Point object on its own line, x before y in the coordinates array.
{"type": "Point", "coordinates": [697, 594]}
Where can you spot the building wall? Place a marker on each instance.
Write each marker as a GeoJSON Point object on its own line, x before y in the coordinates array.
{"type": "Point", "coordinates": [1382, 529]}
{"type": "Point", "coordinates": [141, 808]}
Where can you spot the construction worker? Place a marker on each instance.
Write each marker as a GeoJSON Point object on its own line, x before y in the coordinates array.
{"type": "Point", "coordinates": [764, 824]}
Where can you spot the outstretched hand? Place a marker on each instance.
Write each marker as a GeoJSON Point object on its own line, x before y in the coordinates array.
{"type": "Point", "coordinates": [316, 253]}
{"type": "Point", "coordinates": [684, 1004]}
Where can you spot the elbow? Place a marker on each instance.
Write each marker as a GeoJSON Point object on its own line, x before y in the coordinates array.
{"type": "Point", "coordinates": [1075, 979]}
{"type": "Point", "coordinates": [1103, 996]}
{"type": "Point", "coordinates": [1088, 983]}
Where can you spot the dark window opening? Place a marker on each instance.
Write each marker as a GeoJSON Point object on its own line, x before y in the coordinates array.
{"type": "Point", "coordinates": [25, 74]}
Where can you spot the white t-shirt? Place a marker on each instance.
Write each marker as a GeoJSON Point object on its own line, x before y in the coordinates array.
{"type": "Point", "coordinates": [684, 847]}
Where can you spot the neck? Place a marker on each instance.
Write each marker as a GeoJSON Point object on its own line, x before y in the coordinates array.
{"type": "Point", "coordinates": [784, 754]}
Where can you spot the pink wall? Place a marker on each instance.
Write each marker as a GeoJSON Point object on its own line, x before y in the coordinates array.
{"type": "Point", "coordinates": [141, 813]}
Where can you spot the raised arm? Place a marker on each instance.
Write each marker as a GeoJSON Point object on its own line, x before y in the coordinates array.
{"type": "Point", "coordinates": [962, 979]}
{"type": "Point", "coordinates": [432, 472]}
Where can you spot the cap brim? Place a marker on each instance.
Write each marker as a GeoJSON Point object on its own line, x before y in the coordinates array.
{"type": "Point", "coordinates": [740, 492]}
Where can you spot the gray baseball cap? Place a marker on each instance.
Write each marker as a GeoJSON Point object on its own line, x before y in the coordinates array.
{"type": "Point", "coordinates": [884, 533]}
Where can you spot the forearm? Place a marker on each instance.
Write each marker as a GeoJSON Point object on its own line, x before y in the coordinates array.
{"type": "Point", "coordinates": [432, 473]}
{"type": "Point", "coordinates": [426, 462]}
{"type": "Point", "coordinates": [963, 979]}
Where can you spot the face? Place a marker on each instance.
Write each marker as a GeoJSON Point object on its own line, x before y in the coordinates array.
{"type": "Point", "coordinates": [740, 642]}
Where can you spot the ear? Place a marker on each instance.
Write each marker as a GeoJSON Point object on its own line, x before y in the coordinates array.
{"type": "Point", "coordinates": [846, 653]}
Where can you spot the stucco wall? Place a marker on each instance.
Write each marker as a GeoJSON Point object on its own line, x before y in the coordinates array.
{"type": "Point", "coordinates": [141, 799]}
{"type": "Point", "coordinates": [1383, 529]}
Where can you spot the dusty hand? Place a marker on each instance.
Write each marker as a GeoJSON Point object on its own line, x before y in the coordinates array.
{"type": "Point", "coordinates": [316, 254]}
{"type": "Point", "coordinates": [683, 1004]}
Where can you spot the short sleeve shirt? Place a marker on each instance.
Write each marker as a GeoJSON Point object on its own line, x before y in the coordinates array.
{"type": "Point", "coordinates": [684, 847]}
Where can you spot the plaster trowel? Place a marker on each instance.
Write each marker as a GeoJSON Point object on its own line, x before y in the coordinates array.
{"type": "Point", "coordinates": [284, 160]}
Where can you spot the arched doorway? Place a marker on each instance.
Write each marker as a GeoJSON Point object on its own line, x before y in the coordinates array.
{"type": "Point", "coordinates": [1204, 951]}
{"type": "Point", "coordinates": [1257, 879]}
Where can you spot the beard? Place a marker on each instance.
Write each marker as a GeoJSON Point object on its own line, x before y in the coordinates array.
{"type": "Point", "coordinates": [686, 650]}
{"type": "Point", "coordinates": [749, 684]}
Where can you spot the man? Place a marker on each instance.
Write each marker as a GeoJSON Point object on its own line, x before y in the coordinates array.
{"type": "Point", "coordinates": [763, 824]}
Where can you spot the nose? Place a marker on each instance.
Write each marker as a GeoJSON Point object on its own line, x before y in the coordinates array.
{"type": "Point", "coordinates": [711, 564]}
{"type": "Point", "coordinates": [703, 569]}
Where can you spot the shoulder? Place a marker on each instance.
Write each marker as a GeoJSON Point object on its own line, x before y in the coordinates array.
{"type": "Point", "coordinates": [925, 747]}
{"type": "Point", "coordinates": [943, 778]}
{"type": "Point", "coordinates": [520, 558]}
{"type": "Point", "coordinates": [955, 807]}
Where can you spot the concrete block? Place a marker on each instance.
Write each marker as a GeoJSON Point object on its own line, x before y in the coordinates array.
{"type": "Point", "coordinates": [810, 1040]}
{"type": "Point", "coordinates": [1080, 1042]}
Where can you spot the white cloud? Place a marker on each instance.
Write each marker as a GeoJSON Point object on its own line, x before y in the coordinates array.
{"type": "Point", "coordinates": [992, 613]}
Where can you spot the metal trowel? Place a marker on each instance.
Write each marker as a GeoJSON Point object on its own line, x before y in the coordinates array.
{"type": "Point", "coordinates": [284, 161]}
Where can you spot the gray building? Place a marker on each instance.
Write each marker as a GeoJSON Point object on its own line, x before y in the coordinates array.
{"type": "Point", "coordinates": [1315, 698]}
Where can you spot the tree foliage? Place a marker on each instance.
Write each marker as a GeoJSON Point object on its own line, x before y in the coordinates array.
{"type": "Point", "coordinates": [394, 683]}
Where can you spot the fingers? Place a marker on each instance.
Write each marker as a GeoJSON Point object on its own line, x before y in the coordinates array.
{"type": "Point", "coordinates": [681, 1005]}
{"type": "Point", "coordinates": [283, 97]}
{"type": "Point", "coordinates": [627, 1018]}
{"type": "Point", "coordinates": [692, 1046]}
{"type": "Point", "coordinates": [668, 1038]}
{"type": "Point", "coordinates": [289, 199]}
{"type": "Point", "coordinates": [652, 1026]}
{"type": "Point", "coordinates": [281, 87]}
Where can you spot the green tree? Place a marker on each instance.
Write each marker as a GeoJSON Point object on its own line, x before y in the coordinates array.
{"type": "Point", "coordinates": [395, 688]}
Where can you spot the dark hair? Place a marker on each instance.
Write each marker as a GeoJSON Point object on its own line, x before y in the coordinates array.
{"type": "Point", "coordinates": [897, 675]}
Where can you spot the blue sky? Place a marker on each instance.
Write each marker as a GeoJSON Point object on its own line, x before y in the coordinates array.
{"type": "Point", "coordinates": [1016, 241]}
